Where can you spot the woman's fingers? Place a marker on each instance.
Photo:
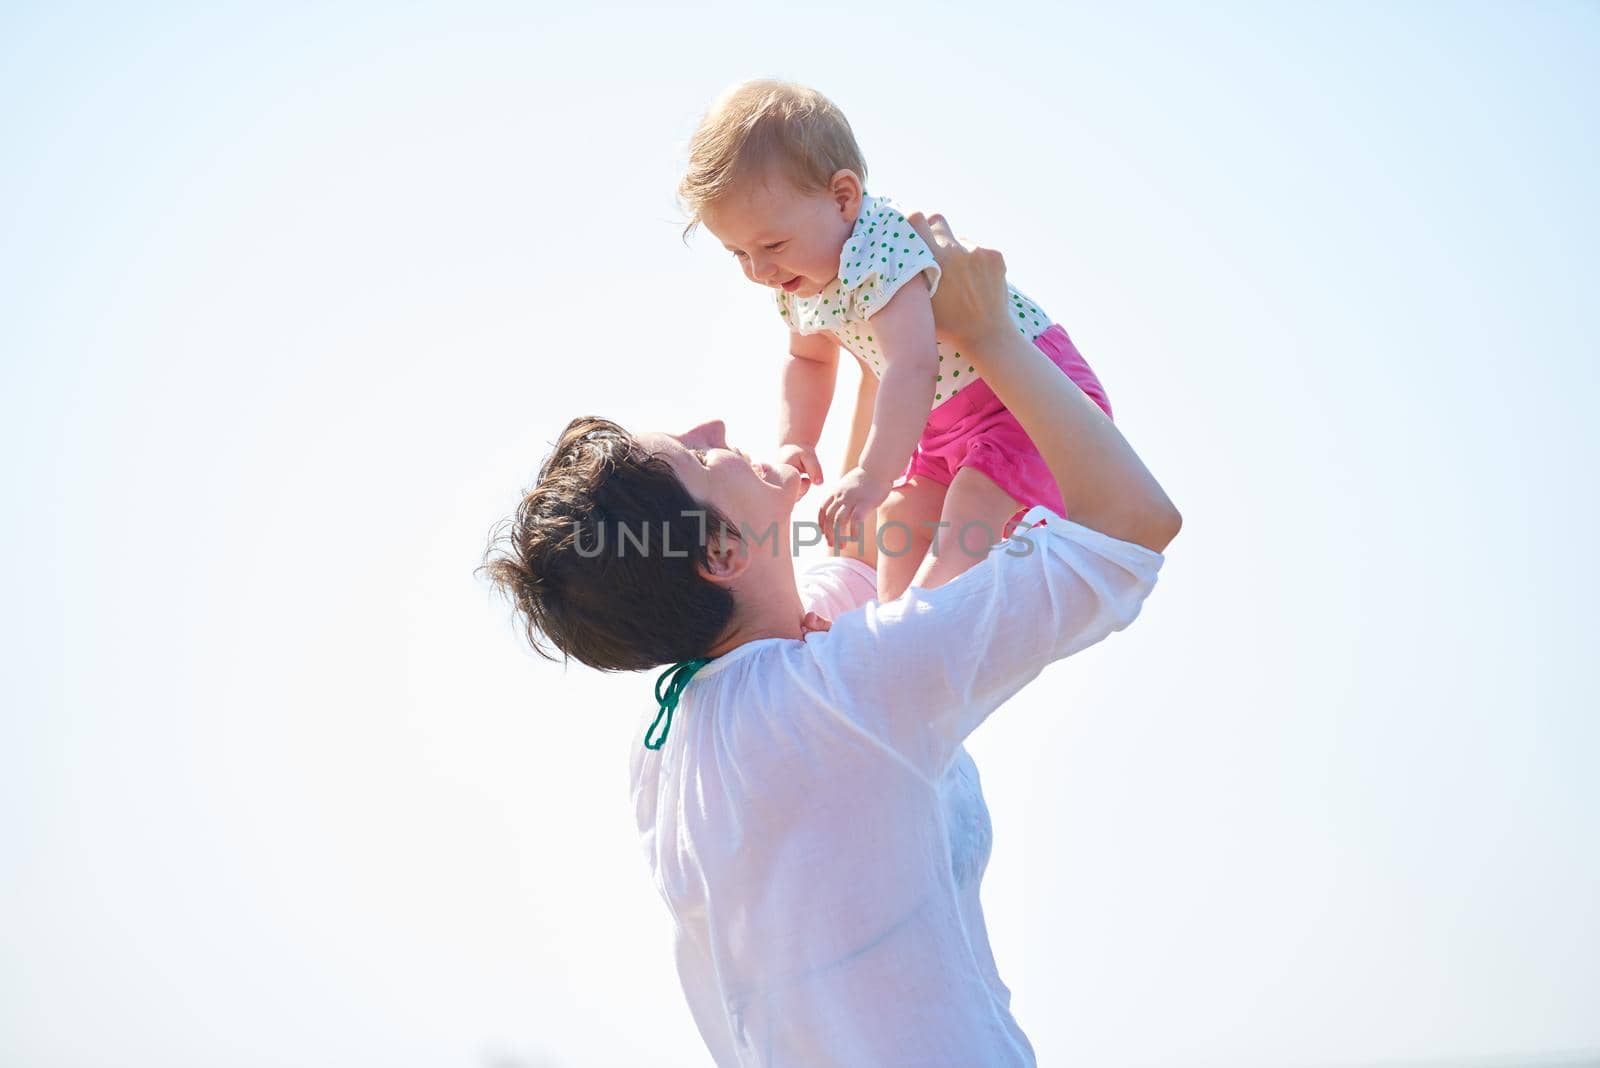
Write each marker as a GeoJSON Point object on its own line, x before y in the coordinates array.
{"type": "Point", "coordinates": [970, 303]}
{"type": "Point", "coordinates": [942, 233]}
{"type": "Point", "coordinates": [935, 230]}
{"type": "Point", "coordinates": [919, 223]}
{"type": "Point", "coordinates": [989, 259]}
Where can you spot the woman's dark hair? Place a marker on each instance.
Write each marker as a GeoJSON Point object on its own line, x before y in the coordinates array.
{"type": "Point", "coordinates": [601, 558]}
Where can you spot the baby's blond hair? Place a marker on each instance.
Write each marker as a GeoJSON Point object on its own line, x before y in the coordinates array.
{"type": "Point", "coordinates": [763, 123]}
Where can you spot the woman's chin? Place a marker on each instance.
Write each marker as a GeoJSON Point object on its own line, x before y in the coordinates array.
{"type": "Point", "coordinates": [786, 479]}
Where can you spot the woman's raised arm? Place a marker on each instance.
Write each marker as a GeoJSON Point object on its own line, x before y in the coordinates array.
{"type": "Point", "coordinates": [1103, 483]}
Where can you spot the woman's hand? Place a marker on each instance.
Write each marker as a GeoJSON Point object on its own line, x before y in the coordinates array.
{"type": "Point", "coordinates": [970, 305]}
{"type": "Point", "coordinates": [1104, 485]}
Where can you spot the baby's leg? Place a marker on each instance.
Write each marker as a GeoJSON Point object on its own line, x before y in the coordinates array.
{"type": "Point", "coordinates": [976, 510]}
{"type": "Point", "coordinates": [913, 507]}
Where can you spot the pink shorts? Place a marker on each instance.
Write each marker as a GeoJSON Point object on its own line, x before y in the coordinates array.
{"type": "Point", "coordinates": [975, 430]}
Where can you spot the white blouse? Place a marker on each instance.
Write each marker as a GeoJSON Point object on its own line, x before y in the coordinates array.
{"type": "Point", "coordinates": [882, 254]}
{"type": "Point", "coordinates": [817, 829]}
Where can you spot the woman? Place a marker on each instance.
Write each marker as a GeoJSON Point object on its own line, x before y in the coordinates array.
{"type": "Point", "coordinates": [811, 817]}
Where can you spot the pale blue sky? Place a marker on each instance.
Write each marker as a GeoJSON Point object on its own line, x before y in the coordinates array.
{"type": "Point", "coordinates": [292, 302]}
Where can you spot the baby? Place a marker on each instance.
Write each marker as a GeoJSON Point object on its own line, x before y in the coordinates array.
{"type": "Point", "coordinates": [775, 175]}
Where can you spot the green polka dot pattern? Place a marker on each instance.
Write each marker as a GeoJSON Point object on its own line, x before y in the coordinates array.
{"type": "Point", "coordinates": [867, 279]}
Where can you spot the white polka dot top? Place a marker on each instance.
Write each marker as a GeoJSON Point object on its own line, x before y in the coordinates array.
{"type": "Point", "coordinates": [882, 254]}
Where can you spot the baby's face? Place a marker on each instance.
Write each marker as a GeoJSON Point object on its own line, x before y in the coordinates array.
{"type": "Point", "coordinates": [784, 237]}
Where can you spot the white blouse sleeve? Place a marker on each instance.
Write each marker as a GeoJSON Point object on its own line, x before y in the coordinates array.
{"type": "Point", "coordinates": [921, 673]}
{"type": "Point", "coordinates": [883, 254]}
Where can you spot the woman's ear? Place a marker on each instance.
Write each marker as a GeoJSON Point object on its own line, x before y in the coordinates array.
{"type": "Point", "coordinates": [726, 559]}
{"type": "Point", "coordinates": [846, 191]}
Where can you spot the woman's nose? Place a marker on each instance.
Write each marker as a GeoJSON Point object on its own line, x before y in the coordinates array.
{"type": "Point", "coordinates": [710, 434]}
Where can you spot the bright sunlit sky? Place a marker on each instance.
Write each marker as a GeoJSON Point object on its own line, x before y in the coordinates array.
{"type": "Point", "coordinates": [293, 302]}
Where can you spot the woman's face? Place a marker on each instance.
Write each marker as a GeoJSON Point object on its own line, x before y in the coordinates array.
{"type": "Point", "coordinates": [752, 495]}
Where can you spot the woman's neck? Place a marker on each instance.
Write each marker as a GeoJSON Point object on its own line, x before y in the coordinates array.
{"type": "Point", "coordinates": [767, 606]}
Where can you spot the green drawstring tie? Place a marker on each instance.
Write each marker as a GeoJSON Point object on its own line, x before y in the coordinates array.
{"type": "Point", "coordinates": [680, 673]}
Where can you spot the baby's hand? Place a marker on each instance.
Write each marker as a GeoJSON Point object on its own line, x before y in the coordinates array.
{"type": "Point", "coordinates": [812, 623]}
{"type": "Point", "coordinates": [856, 494]}
{"type": "Point", "coordinates": [804, 458]}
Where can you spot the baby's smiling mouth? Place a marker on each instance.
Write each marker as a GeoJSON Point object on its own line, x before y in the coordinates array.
{"type": "Point", "coordinates": [792, 284]}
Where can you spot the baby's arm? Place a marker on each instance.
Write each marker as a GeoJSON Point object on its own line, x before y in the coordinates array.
{"type": "Point", "coordinates": [904, 333]}
{"type": "Point", "coordinates": [866, 549]}
{"type": "Point", "coordinates": [808, 376]}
